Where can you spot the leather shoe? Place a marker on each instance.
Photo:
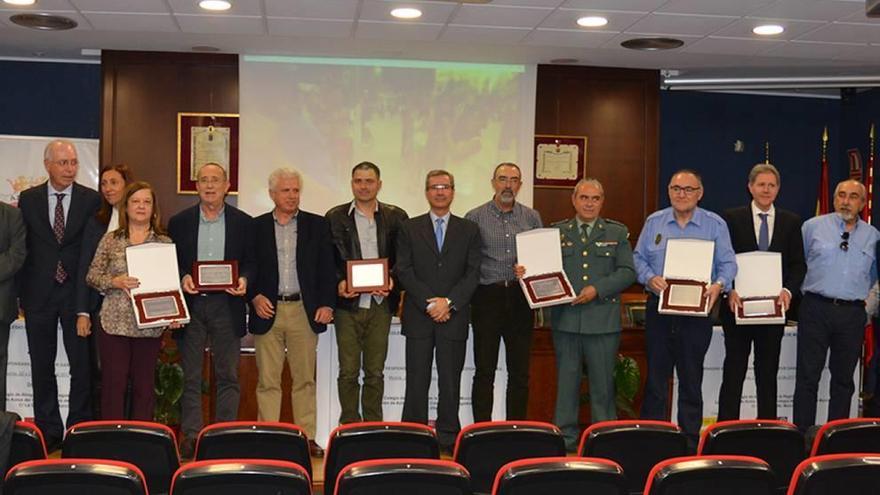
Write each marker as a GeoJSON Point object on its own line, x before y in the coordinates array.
{"type": "Point", "coordinates": [315, 450]}
{"type": "Point", "coordinates": [52, 444]}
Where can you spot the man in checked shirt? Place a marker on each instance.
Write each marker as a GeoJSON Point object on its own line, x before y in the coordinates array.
{"type": "Point", "coordinates": [499, 309]}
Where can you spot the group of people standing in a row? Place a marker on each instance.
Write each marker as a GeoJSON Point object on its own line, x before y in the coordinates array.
{"type": "Point", "coordinates": [67, 244]}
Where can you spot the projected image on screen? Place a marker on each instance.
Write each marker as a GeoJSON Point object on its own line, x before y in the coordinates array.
{"type": "Point", "coordinates": [322, 116]}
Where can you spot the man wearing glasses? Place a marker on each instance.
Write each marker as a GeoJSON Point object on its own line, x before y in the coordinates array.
{"type": "Point", "coordinates": [500, 310]}
{"type": "Point", "coordinates": [438, 265]}
{"type": "Point", "coordinates": [841, 268]}
{"type": "Point", "coordinates": [671, 340]}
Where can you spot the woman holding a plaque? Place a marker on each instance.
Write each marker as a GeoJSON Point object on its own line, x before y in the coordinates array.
{"type": "Point", "coordinates": [127, 352]}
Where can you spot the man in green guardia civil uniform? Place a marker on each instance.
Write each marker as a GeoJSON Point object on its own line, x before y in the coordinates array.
{"type": "Point", "coordinates": [598, 260]}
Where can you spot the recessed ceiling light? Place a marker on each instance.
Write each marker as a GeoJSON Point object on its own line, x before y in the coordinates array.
{"type": "Point", "coordinates": [215, 5]}
{"type": "Point", "coordinates": [406, 13]}
{"type": "Point", "coordinates": [592, 21]}
{"type": "Point", "coordinates": [20, 2]}
{"type": "Point", "coordinates": [768, 29]}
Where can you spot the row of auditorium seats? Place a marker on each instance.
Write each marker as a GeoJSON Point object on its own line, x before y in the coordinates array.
{"type": "Point", "coordinates": [852, 474]}
{"type": "Point", "coordinates": [636, 448]}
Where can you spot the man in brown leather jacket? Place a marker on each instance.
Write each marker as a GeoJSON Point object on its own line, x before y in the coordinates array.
{"type": "Point", "coordinates": [363, 229]}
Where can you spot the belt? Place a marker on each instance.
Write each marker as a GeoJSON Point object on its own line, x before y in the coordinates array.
{"type": "Point", "coordinates": [837, 302]}
{"type": "Point", "coordinates": [506, 283]}
{"type": "Point", "coordinates": [289, 297]}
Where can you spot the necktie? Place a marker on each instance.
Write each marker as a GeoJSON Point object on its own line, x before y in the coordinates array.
{"type": "Point", "coordinates": [438, 233]}
{"type": "Point", "coordinates": [58, 230]}
{"type": "Point", "coordinates": [764, 233]}
{"type": "Point", "coordinates": [587, 229]}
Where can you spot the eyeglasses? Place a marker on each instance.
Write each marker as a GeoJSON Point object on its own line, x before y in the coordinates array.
{"type": "Point", "coordinates": [65, 163]}
{"type": "Point", "coordinates": [844, 245]}
{"type": "Point", "coordinates": [441, 187]}
{"type": "Point", "coordinates": [508, 180]}
{"type": "Point", "coordinates": [687, 190]}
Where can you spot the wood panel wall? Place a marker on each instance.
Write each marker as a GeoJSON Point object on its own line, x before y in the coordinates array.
{"type": "Point", "coordinates": [142, 92]}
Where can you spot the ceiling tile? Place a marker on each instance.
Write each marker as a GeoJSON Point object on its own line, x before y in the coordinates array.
{"type": "Point", "coordinates": [397, 30]}
{"type": "Point", "coordinates": [530, 3]}
{"type": "Point", "coordinates": [127, 6]}
{"type": "Point", "coordinates": [634, 5]}
{"type": "Point", "coordinates": [810, 10]}
{"type": "Point", "coordinates": [714, 7]}
{"type": "Point", "coordinates": [437, 13]}
{"type": "Point", "coordinates": [743, 28]}
{"type": "Point", "coordinates": [316, 9]}
{"type": "Point", "coordinates": [239, 7]}
{"type": "Point", "coordinates": [484, 34]}
{"type": "Point", "coordinates": [569, 37]}
{"type": "Point", "coordinates": [160, 23]}
{"type": "Point", "coordinates": [567, 19]}
{"type": "Point", "coordinates": [320, 28]}
{"type": "Point", "coordinates": [491, 15]}
{"type": "Point", "coordinates": [732, 46]}
{"type": "Point", "coordinates": [811, 49]}
{"type": "Point", "coordinates": [224, 24]}
{"type": "Point", "coordinates": [674, 24]}
{"type": "Point", "coordinates": [845, 33]}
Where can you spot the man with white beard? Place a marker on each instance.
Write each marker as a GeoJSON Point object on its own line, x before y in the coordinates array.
{"type": "Point", "coordinates": [840, 250]}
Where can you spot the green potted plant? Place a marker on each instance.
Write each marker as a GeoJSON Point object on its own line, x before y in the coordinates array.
{"type": "Point", "coordinates": [168, 386]}
{"type": "Point", "coordinates": [627, 379]}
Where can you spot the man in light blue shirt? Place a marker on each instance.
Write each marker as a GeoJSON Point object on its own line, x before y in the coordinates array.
{"type": "Point", "coordinates": [680, 341]}
{"type": "Point", "coordinates": [841, 268]}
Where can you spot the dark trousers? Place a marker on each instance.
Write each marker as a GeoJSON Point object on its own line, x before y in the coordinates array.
{"type": "Point", "coordinates": [678, 342]}
{"type": "Point", "coordinates": [450, 362]}
{"type": "Point", "coordinates": [4, 359]}
{"type": "Point", "coordinates": [362, 342]}
{"type": "Point", "coordinates": [125, 358]}
{"type": "Point", "coordinates": [499, 312]}
{"type": "Point", "coordinates": [738, 340]}
{"type": "Point", "coordinates": [42, 334]}
{"type": "Point", "coordinates": [824, 325]}
{"type": "Point", "coordinates": [211, 324]}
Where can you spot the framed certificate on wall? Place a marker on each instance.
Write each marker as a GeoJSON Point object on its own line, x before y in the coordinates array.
{"type": "Point", "coordinates": [560, 161]}
{"type": "Point", "coordinates": [206, 138]}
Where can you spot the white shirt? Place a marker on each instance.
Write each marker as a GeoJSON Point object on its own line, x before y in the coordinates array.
{"type": "Point", "coordinates": [771, 217]}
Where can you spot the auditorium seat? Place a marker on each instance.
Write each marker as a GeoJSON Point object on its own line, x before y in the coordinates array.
{"type": "Point", "coordinates": [636, 445]}
{"type": "Point", "coordinates": [403, 476]}
{"type": "Point", "coordinates": [149, 446]}
{"type": "Point", "coordinates": [483, 448]}
{"type": "Point", "coordinates": [779, 443]}
{"type": "Point", "coordinates": [27, 444]}
{"type": "Point", "coordinates": [75, 477]}
{"type": "Point", "coordinates": [254, 440]}
{"type": "Point", "coordinates": [560, 476]}
{"type": "Point", "coordinates": [844, 436]}
{"type": "Point", "coordinates": [844, 474]}
{"type": "Point", "coordinates": [241, 477]}
{"type": "Point", "coordinates": [715, 475]}
{"type": "Point", "coordinates": [376, 440]}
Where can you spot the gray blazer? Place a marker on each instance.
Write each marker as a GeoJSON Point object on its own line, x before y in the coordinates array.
{"type": "Point", "coordinates": [13, 240]}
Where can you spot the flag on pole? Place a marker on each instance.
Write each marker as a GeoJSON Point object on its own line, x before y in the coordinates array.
{"type": "Point", "coordinates": [866, 216]}
{"type": "Point", "coordinates": [822, 204]}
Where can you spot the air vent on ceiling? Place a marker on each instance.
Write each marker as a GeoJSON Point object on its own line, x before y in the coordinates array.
{"type": "Point", "coordinates": [467, 1]}
{"type": "Point", "coordinates": [44, 22]}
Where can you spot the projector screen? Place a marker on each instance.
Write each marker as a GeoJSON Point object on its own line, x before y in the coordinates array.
{"type": "Point", "coordinates": [321, 116]}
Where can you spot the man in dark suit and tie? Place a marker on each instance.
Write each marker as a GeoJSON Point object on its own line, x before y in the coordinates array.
{"type": "Point", "coordinates": [12, 254]}
{"type": "Point", "coordinates": [760, 226]}
{"type": "Point", "coordinates": [438, 265]}
{"type": "Point", "coordinates": [292, 301]}
{"type": "Point", "coordinates": [55, 214]}
{"type": "Point", "coordinates": [211, 231]}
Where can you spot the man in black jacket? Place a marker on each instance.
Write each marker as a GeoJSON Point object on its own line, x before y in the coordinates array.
{"type": "Point", "coordinates": [759, 226]}
{"type": "Point", "coordinates": [363, 229]}
{"type": "Point", "coordinates": [12, 255]}
{"type": "Point", "coordinates": [292, 301]}
{"type": "Point", "coordinates": [211, 231]}
{"type": "Point", "coordinates": [55, 214]}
